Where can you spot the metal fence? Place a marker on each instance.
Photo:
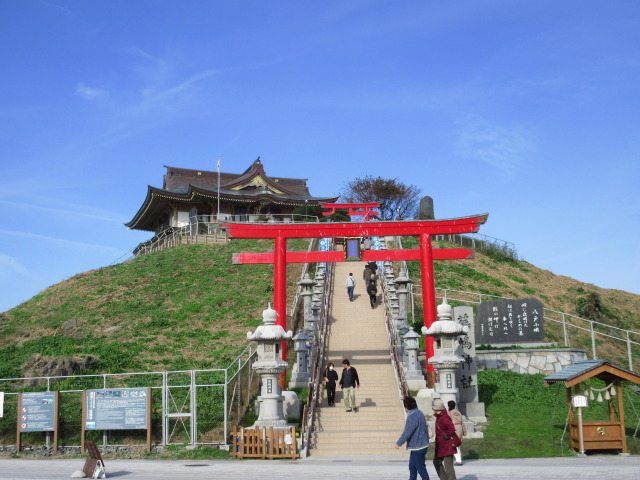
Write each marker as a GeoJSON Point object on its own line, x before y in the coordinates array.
{"type": "Point", "coordinates": [571, 325]}
{"type": "Point", "coordinates": [317, 368]}
{"type": "Point", "coordinates": [480, 242]}
{"type": "Point", "coordinates": [192, 407]}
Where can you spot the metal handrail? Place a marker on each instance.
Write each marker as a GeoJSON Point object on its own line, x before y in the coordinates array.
{"type": "Point", "coordinates": [393, 348]}
{"type": "Point", "coordinates": [316, 371]}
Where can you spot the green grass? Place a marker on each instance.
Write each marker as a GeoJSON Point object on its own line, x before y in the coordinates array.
{"type": "Point", "coordinates": [527, 419]}
{"type": "Point", "coordinates": [165, 311]}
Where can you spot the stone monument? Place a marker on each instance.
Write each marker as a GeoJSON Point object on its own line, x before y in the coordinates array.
{"type": "Point", "coordinates": [509, 322]}
{"type": "Point", "coordinates": [467, 379]}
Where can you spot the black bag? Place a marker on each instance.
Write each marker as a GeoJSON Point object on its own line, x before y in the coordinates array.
{"type": "Point", "coordinates": [456, 441]}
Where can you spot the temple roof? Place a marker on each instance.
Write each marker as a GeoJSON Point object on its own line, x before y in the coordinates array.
{"type": "Point", "coordinates": [179, 179]}
{"type": "Point", "coordinates": [189, 186]}
{"type": "Point", "coordinates": [580, 371]}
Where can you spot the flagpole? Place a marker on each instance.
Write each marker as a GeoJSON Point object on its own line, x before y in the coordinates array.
{"type": "Point", "coordinates": [218, 214]}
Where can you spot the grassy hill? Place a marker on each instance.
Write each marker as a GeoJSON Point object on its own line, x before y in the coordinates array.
{"type": "Point", "coordinates": [190, 307]}
{"type": "Point", "coordinates": [183, 308]}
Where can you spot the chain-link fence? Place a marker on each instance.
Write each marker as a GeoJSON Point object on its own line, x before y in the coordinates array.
{"type": "Point", "coordinates": [192, 407]}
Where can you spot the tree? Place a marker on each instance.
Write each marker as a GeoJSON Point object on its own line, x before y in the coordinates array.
{"type": "Point", "coordinates": [397, 200]}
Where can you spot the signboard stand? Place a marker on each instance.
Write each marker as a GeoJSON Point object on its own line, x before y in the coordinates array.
{"type": "Point", "coordinates": [116, 409]}
{"type": "Point", "coordinates": [37, 412]}
{"type": "Point", "coordinates": [94, 463]}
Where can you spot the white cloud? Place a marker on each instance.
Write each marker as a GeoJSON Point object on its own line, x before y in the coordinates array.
{"type": "Point", "coordinates": [501, 147]}
{"type": "Point", "coordinates": [75, 211]}
{"type": "Point", "coordinates": [89, 93]}
{"type": "Point", "coordinates": [60, 241]}
{"type": "Point", "coordinates": [12, 263]}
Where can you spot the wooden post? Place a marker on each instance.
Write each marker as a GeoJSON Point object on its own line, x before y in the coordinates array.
{"type": "Point", "coordinates": [149, 420]}
{"type": "Point", "coordinates": [84, 420]}
{"type": "Point", "coordinates": [18, 432]}
{"type": "Point", "coordinates": [56, 410]}
{"type": "Point", "coordinates": [623, 434]}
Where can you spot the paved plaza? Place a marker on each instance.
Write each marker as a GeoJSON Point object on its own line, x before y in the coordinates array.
{"type": "Point", "coordinates": [609, 467]}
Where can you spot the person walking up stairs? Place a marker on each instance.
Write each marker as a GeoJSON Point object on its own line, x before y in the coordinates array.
{"type": "Point", "coordinates": [357, 332]}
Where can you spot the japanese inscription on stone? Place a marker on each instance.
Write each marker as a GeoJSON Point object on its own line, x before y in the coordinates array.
{"type": "Point", "coordinates": [117, 409]}
{"type": "Point", "coordinates": [467, 378]}
{"type": "Point", "coordinates": [37, 412]}
{"type": "Point", "coordinates": [510, 321]}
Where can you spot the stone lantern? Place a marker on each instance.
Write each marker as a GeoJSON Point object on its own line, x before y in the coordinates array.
{"type": "Point", "coordinates": [269, 366]}
{"type": "Point", "coordinates": [413, 371]}
{"type": "Point", "coordinates": [402, 282]}
{"type": "Point", "coordinates": [394, 305]}
{"type": "Point", "coordinates": [445, 332]}
{"type": "Point", "coordinates": [300, 371]}
{"type": "Point", "coordinates": [306, 285]}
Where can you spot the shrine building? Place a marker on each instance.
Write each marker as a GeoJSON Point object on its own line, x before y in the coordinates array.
{"type": "Point", "coordinates": [209, 196]}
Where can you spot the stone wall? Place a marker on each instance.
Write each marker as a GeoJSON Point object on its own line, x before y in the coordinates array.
{"type": "Point", "coordinates": [544, 361]}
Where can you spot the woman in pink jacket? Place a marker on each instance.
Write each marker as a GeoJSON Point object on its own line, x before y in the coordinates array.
{"type": "Point", "coordinates": [444, 451]}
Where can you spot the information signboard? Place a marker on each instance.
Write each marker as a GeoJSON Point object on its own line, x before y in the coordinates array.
{"type": "Point", "coordinates": [37, 412]}
{"type": "Point", "coordinates": [117, 409]}
{"type": "Point", "coordinates": [512, 321]}
{"type": "Point", "coordinates": [352, 248]}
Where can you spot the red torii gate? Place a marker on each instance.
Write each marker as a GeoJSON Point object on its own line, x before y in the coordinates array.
{"type": "Point", "coordinates": [352, 209]}
{"type": "Point", "coordinates": [424, 229]}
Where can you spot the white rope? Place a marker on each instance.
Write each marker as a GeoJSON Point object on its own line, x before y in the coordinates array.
{"type": "Point", "coordinates": [610, 390]}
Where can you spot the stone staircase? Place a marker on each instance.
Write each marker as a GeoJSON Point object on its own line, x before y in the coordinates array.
{"type": "Point", "coordinates": [357, 332]}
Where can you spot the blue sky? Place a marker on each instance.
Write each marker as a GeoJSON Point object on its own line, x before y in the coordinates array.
{"type": "Point", "coordinates": [527, 110]}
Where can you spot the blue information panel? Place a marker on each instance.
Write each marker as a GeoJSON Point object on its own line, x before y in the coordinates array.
{"type": "Point", "coordinates": [352, 247]}
{"type": "Point", "coordinates": [116, 409]}
{"type": "Point", "coordinates": [37, 412]}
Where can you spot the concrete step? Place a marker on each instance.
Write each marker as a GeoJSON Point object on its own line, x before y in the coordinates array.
{"type": "Point", "coordinates": [358, 333]}
{"type": "Point", "coordinates": [358, 448]}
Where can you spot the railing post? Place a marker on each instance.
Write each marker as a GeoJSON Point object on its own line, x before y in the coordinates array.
{"type": "Point", "coordinates": [564, 329]}
{"type": "Point", "coordinates": [629, 352]}
{"type": "Point", "coordinates": [165, 407]}
{"type": "Point", "coordinates": [194, 410]}
{"type": "Point", "coordinates": [593, 340]}
{"type": "Point", "coordinates": [226, 420]}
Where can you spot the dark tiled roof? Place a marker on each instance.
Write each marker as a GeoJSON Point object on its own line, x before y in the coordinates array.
{"type": "Point", "coordinates": [575, 370]}
{"type": "Point", "coordinates": [178, 179]}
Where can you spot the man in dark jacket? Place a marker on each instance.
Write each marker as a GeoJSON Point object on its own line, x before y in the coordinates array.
{"type": "Point", "coordinates": [348, 383]}
{"type": "Point", "coordinates": [373, 292]}
{"type": "Point", "coordinates": [444, 432]}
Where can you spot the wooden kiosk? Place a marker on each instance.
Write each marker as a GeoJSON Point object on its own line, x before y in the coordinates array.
{"type": "Point", "coordinates": [599, 435]}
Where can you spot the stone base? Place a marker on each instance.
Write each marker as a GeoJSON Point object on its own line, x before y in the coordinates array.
{"type": "Point", "coordinates": [292, 406]}
{"type": "Point", "coordinates": [275, 424]}
{"type": "Point", "coordinates": [474, 411]}
{"type": "Point", "coordinates": [300, 382]}
{"type": "Point", "coordinates": [416, 383]}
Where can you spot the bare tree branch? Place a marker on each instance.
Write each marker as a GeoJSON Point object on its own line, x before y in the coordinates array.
{"type": "Point", "coordinates": [397, 200]}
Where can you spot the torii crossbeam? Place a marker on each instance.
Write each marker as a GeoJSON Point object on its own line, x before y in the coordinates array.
{"type": "Point", "coordinates": [424, 229]}
{"type": "Point", "coordinates": [365, 210]}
